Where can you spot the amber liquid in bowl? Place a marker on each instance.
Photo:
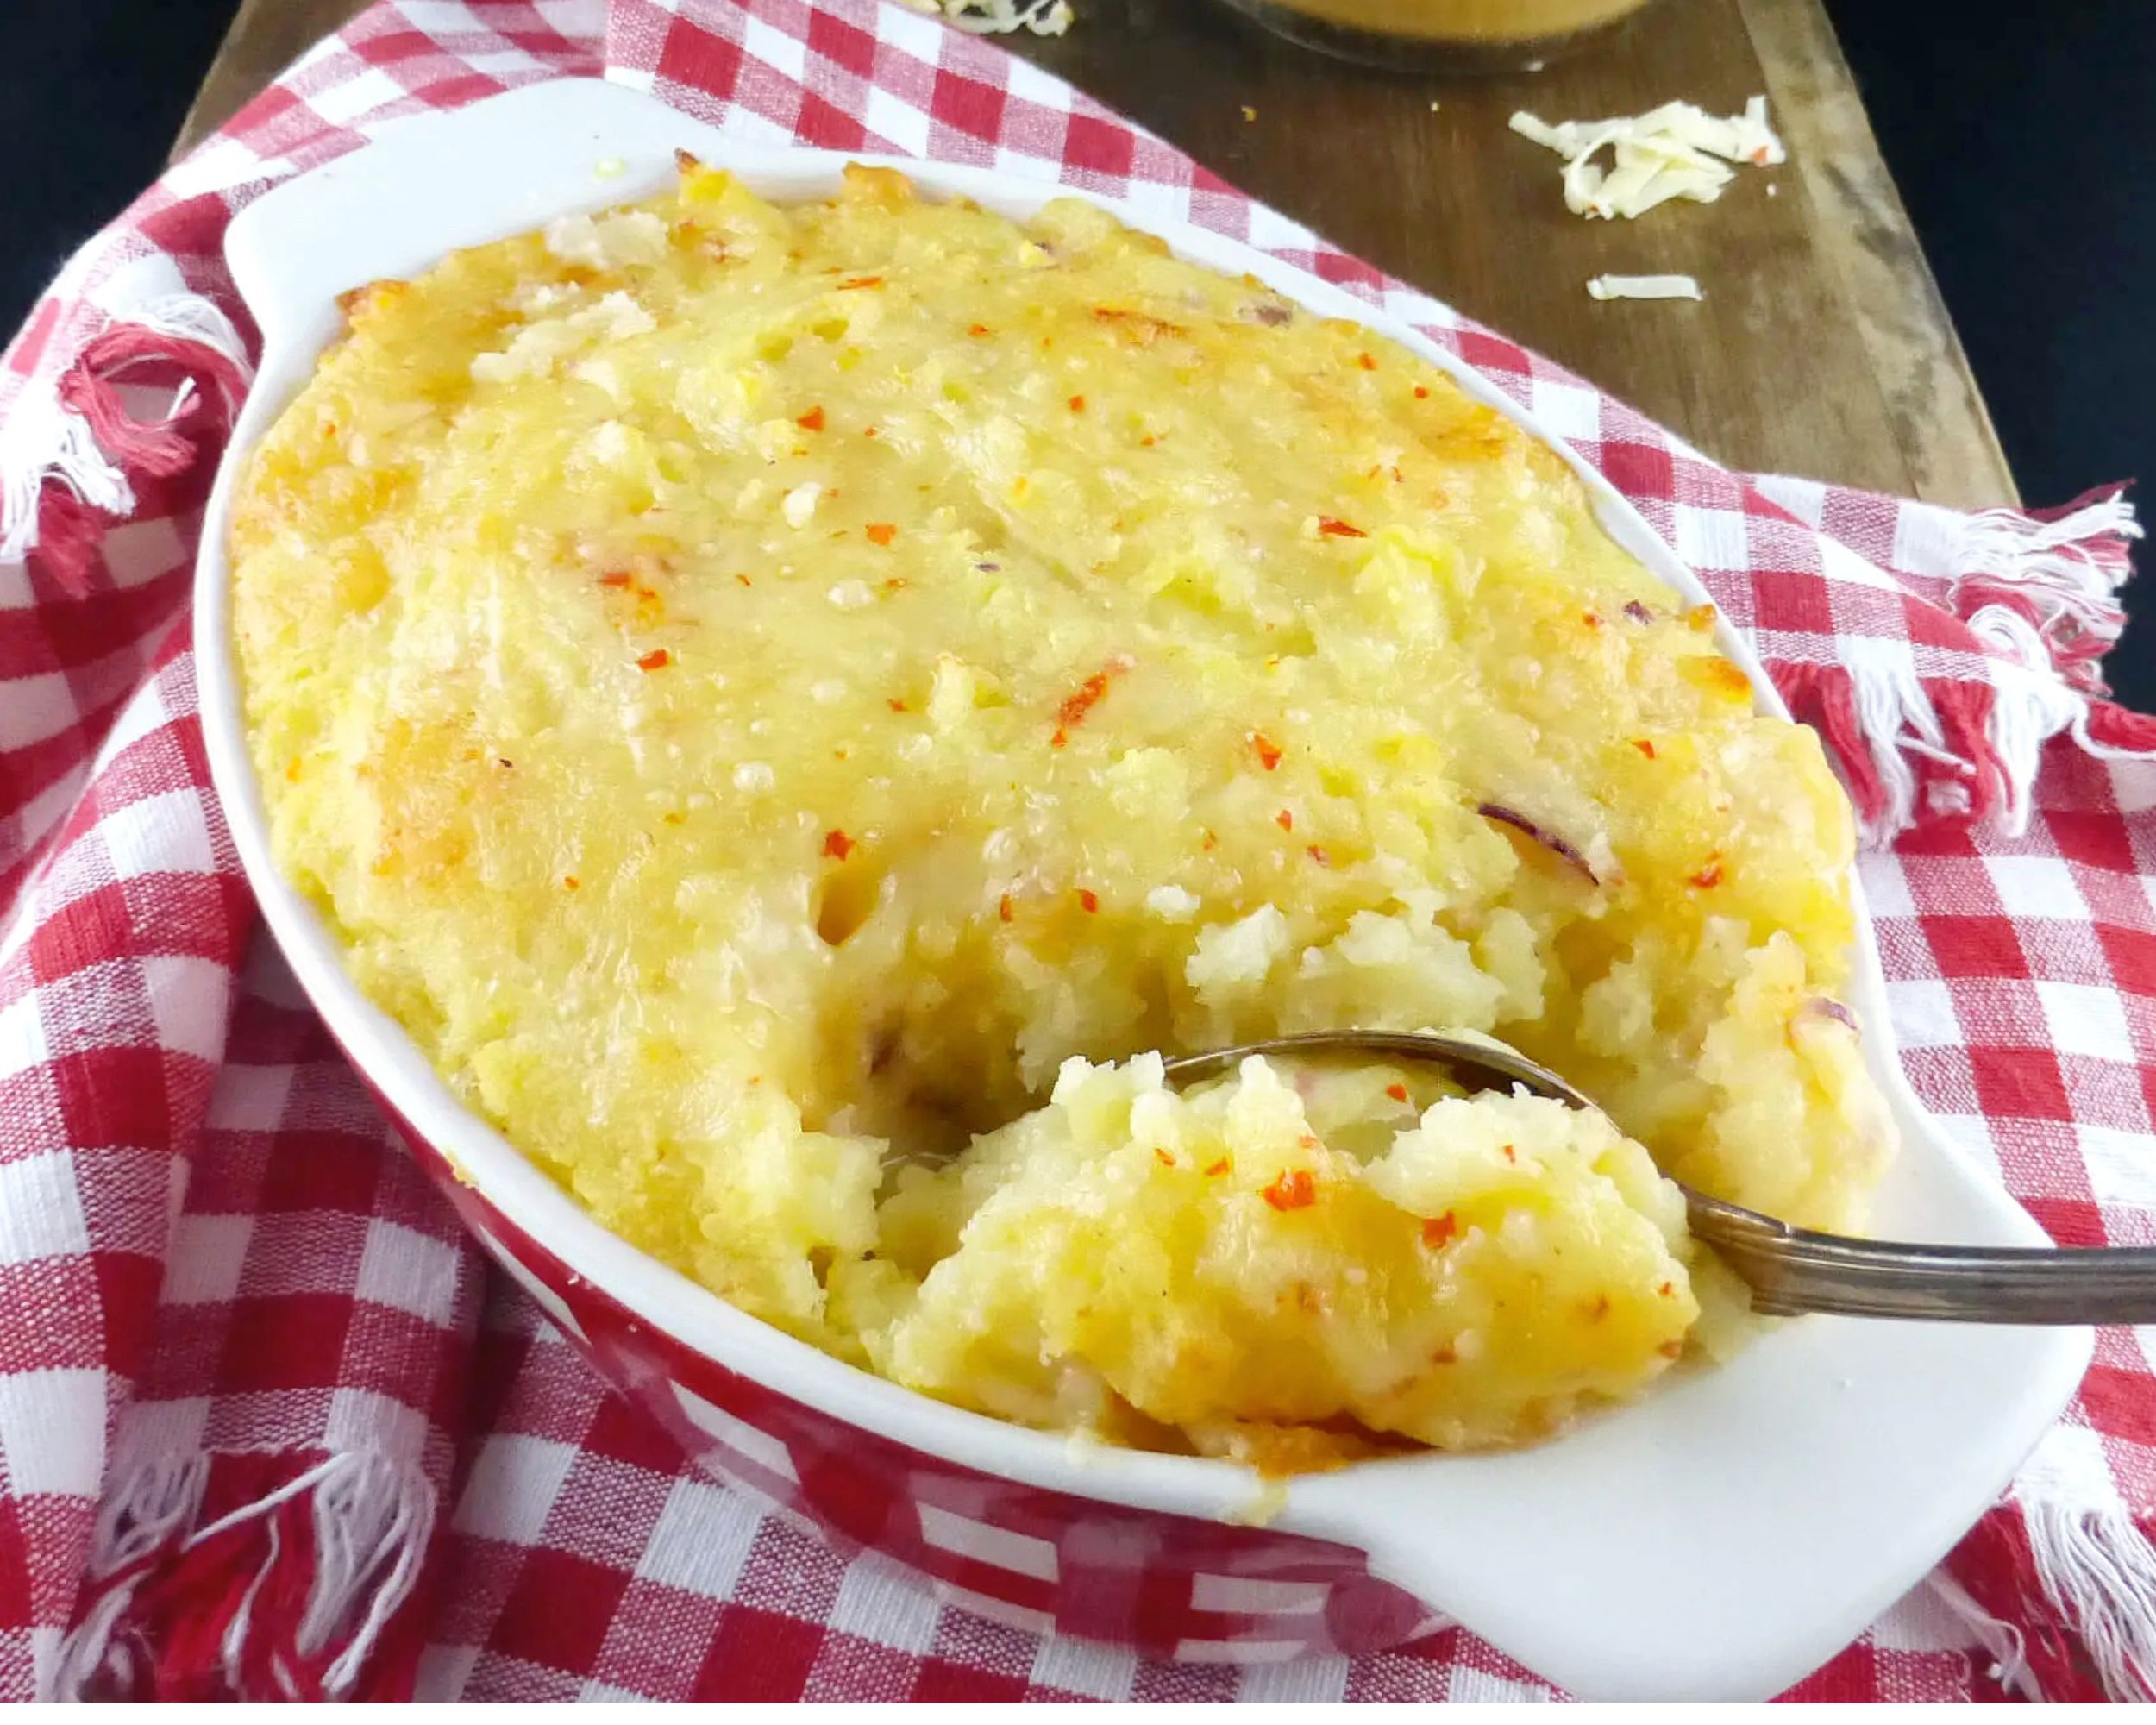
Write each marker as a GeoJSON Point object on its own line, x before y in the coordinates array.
{"type": "Point", "coordinates": [1463, 36]}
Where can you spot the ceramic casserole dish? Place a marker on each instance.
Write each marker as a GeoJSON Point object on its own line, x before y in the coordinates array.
{"type": "Point", "coordinates": [1720, 1538]}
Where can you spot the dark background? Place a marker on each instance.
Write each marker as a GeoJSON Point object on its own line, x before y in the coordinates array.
{"type": "Point", "coordinates": [2026, 155]}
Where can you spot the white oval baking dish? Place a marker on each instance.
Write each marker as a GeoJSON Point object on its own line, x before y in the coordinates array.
{"type": "Point", "coordinates": [1721, 1538]}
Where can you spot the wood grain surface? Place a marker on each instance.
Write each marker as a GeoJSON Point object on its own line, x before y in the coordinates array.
{"type": "Point", "coordinates": [1822, 346]}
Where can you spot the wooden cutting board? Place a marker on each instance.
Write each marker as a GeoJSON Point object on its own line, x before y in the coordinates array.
{"type": "Point", "coordinates": [1821, 349]}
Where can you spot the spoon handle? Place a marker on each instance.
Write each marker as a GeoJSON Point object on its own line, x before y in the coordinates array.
{"type": "Point", "coordinates": [1792, 1270]}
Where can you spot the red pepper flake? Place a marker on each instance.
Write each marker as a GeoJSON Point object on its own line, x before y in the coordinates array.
{"type": "Point", "coordinates": [1397, 1092]}
{"type": "Point", "coordinates": [868, 430]}
{"type": "Point", "coordinates": [1285, 821]}
{"type": "Point", "coordinates": [744, 581]}
{"type": "Point", "coordinates": [1644, 747]}
{"type": "Point", "coordinates": [1338, 529]}
{"type": "Point", "coordinates": [657, 660]}
{"type": "Point", "coordinates": [1367, 363]}
{"type": "Point", "coordinates": [1211, 842]}
{"type": "Point", "coordinates": [1711, 875]}
{"type": "Point", "coordinates": [1316, 853]}
{"type": "Point", "coordinates": [813, 420]}
{"type": "Point", "coordinates": [1715, 675]}
{"type": "Point", "coordinates": [1003, 907]}
{"type": "Point", "coordinates": [895, 704]}
{"type": "Point", "coordinates": [894, 584]}
{"type": "Point", "coordinates": [1293, 1190]}
{"type": "Point", "coordinates": [1437, 1230]}
{"type": "Point", "coordinates": [1267, 751]}
{"type": "Point", "coordinates": [1077, 404]}
{"type": "Point", "coordinates": [1422, 392]}
{"type": "Point", "coordinates": [1598, 1309]}
{"type": "Point", "coordinates": [1162, 1158]}
{"type": "Point", "coordinates": [1666, 1289]}
{"type": "Point", "coordinates": [837, 845]}
{"type": "Point", "coordinates": [976, 328]}
{"type": "Point", "coordinates": [1593, 619]}
{"type": "Point", "coordinates": [853, 281]}
{"type": "Point", "coordinates": [1443, 1356]}
{"type": "Point", "coordinates": [571, 882]}
{"type": "Point", "coordinates": [1089, 900]}
{"type": "Point", "coordinates": [1147, 440]}
{"type": "Point", "coordinates": [1216, 1168]}
{"type": "Point", "coordinates": [616, 578]}
{"type": "Point", "coordinates": [1072, 713]}
{"type": "Point", "coordinates": [880, 532]}
{"type": "Point", "coordinates": [1510, 1154]}
{"type": "Point", "coordinates": [1672, 1349]}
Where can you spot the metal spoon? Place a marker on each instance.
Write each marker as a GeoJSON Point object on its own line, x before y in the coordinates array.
{"type": "Point", "coordinates": [1791, 1270]}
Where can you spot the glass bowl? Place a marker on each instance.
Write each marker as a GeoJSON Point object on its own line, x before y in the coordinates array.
{"type": "Point", "coordinates": [1442, 35]}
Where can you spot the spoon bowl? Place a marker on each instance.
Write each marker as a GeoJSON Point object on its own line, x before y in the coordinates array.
{"type": "Point", "coordinates": [1792, 1270]}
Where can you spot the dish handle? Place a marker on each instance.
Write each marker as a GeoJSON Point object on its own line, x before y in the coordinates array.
{"type": "Point", "coordinates": [394, 205]}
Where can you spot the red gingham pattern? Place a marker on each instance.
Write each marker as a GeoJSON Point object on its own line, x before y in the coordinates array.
{"type": "Point", "coordinates": [216, 1273]}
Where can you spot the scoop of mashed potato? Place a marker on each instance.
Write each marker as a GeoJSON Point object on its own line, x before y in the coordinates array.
{"type": "Point", "coordinates": [758, 689]}
{"type": "Point", "coordinates": [1253, 1258]}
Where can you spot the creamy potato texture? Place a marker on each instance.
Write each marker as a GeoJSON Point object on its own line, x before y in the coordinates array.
{"type": "Point", "coordinates": [1244, 1266]}
{"type": "Point", "coordinates": [761, 692]}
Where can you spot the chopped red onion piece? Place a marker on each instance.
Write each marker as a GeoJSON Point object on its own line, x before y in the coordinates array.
{"type": "Point", "coordinates": [1819, 1006]}
{"type": "Point", "coordinates": [1541, 835]}
{"type": "Point", "coordinates": [1637, 611]}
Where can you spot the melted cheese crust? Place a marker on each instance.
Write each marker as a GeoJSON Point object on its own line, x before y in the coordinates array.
{"type": "Point", "coordinates": [759, 689]}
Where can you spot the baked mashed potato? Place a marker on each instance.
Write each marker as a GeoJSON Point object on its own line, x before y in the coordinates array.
{"type": "Point", "coordinates": [795, 707]}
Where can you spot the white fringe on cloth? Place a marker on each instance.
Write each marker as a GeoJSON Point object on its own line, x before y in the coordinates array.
{"type": "Point", "coordinates": [2008, 1650]}
{"type": "Point", "coordinates": [374, 1521]}
{"type": "Point", "coordinates": [2098, 1570]}
{"type": "Point", "coordinates": [2049, 565]}
{"type": "Point", "coordinates": [149, 1507]}
{"type": "Point", "coordinates": [372, 1517]}
{"type": "Point", "coordinates": [154, 1504]}
{"type": "Point", "coordinates": [2068, 571]}
{"type": "Point", "coordinates": [2049, 561]}
{"type": "Point", "coordinates": [39, 440]}
{"type": "Point", "coordinates": [42, 441]}
{"type": "Point", "coordinates": [1898, 724]}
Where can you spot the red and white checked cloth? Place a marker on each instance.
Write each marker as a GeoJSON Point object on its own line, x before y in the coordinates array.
{"type": "Point", "coordinates": [269, 1426]}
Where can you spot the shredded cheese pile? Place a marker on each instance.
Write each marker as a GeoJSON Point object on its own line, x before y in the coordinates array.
{"type": "Point", "coordinates": [1001, 17]}
{"type": "Point", "coordinates": [1644, 287]}
{"type": "Point", "coordinates": [1677, 151]}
